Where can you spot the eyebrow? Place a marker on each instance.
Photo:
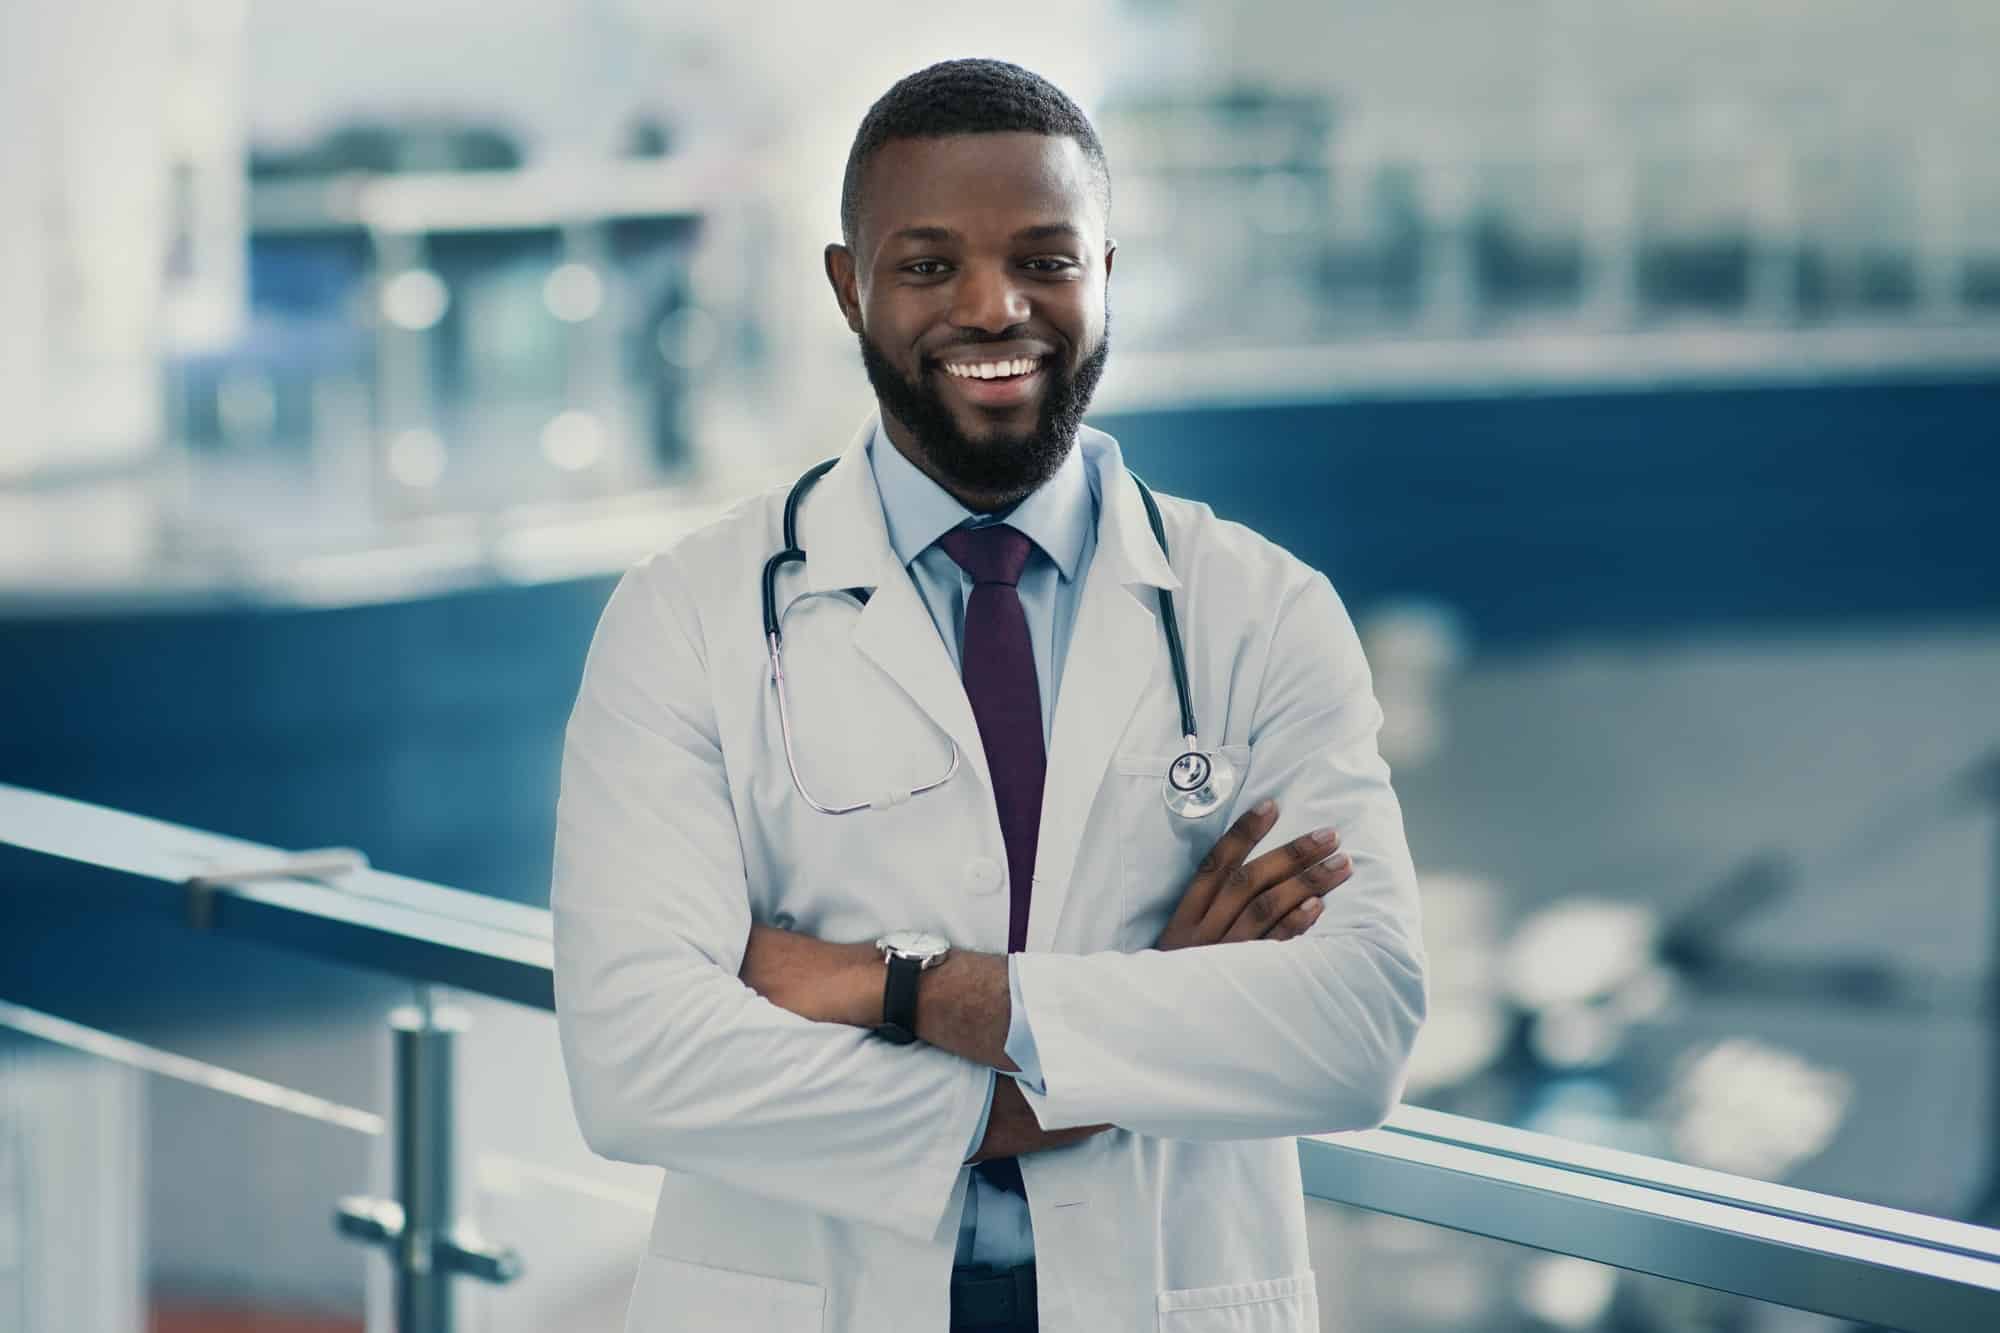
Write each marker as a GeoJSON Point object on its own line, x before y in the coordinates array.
{"type": "Point", "coordinates": [942, 235]}
{"type": "Point", "coordinates": [1049, 231]}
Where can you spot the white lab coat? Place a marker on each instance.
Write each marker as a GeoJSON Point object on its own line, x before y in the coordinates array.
{"type": "Point", "coordinates": [813, 1177]}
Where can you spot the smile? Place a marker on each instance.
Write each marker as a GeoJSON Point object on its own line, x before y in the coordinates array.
{"type": "Point", "coordinates": [996, 383]}
{"type": "Point", "coordinates": [991, 370]}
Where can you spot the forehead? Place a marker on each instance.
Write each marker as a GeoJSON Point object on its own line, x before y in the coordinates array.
{"type": "Point", "coordinates": [979, 184]}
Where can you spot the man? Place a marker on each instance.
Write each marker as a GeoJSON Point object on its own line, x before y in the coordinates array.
{"type": "Point", "coordinates": [1134, 1015]}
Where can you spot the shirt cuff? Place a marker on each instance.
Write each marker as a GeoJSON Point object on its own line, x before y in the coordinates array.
{"type": "Point", "coordinates": [1020, 1045]}
{"type": "Point", "coordinates": [979, 1132]}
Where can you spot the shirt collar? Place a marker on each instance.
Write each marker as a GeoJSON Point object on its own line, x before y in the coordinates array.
{"type": "Point", "coordinates": [1057, 516]}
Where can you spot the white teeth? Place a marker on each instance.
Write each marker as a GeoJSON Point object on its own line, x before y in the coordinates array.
{"type": "Point", "coordinates": [989, 370]}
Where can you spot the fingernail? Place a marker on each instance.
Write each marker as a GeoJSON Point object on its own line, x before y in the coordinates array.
{"type": "Point", "coordinates": [1312, 907]}
{"type": "Point", "coordinates": [1326, 837]}
{"type": "Point", "coordinates": [1266, 806]}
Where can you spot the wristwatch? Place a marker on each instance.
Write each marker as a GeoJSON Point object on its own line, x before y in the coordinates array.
{"type": "Point", "coordinates": [907, 952]}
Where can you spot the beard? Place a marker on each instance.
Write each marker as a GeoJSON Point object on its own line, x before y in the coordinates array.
{"type": "Point", "coordinates": [1002, 468]}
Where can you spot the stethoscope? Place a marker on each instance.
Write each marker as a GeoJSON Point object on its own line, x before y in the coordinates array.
{"type": "Point", "coordinates": [1196, 783]}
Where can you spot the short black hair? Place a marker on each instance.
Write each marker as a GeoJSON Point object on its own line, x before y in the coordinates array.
{"type": "Point", "coordinates": [966, 97]}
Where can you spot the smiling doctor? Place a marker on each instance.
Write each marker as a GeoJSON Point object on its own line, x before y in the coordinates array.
{"type": "Point", "coordinates": [929, 842]}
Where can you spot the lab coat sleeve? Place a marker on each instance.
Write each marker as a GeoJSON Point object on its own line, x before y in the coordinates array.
{"type": "Point", "coordinates": [672, 1060]}
{"type": "Point", "coordinates": [1020, 1044]}
{"type": "Point", "coordinates": [1261, 1038]}
{"type": "Point", "coordinates": [985, 1116]}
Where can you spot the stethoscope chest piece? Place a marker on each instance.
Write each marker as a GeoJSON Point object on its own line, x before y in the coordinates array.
{"type": "Point", "coordinates": [1198, 783]}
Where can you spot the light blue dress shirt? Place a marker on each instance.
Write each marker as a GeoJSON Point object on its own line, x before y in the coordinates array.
{"type": "Point", "coordinates": [1061, 518]}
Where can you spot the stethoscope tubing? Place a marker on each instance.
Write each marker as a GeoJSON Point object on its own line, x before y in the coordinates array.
{"type": "Point", "coordinates": [1170, 622]}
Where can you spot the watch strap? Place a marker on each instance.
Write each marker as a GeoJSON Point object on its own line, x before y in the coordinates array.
{"type": "Point", "coordinates": [899, 1000]}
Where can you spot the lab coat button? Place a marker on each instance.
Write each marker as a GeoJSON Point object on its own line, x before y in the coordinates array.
{"type": "Point", "coordinates": [983, 875]}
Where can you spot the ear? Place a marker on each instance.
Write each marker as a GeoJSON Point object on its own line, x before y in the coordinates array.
{"type": "Point", "coordinates": [1110, 253]}
{"type": "Point", "coordinates": [840, 275]}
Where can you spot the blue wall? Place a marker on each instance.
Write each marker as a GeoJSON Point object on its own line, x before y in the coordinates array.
{"type": "Point", "coordinates": [426, 733]}
{"type": "Point", "coordinates": [1633, 511]}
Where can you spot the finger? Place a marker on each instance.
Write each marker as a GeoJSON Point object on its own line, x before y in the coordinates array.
{"type": "Point", "coordinates": [1240, 889]}
{"type": "Point", "coordinates": [1282, 862]}
{"type": "Point", "coordinates": [1265, 915]}
{"type": "Point", "coordinates": [1264, 911]}
{"type": "Point", "coordinates": [1248, 830]}
{"type": "Point", "coordinates": [1322, 879]}
{"type": "Point", "coordinates": [1319, 879]}
{"type": "Point", "coordinates": [1224, 859]}
{"type": "Point", "coordinates": [1328, 874]}
{"type": "Point", "coordinates": [1296, 922]}
{"type": "Point", "coordinates": [1232, 897]}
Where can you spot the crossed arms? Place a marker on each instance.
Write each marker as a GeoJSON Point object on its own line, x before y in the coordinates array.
{"type": "Point", "coordinates": [677, 1057]}
{"type": "Point", "coordinates": [964, 1005]}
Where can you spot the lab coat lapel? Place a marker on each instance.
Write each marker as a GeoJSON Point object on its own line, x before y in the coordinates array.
{"type": "Point", "coordinates": [847, 546]}
{"type": "Point", "coordinates": [1114, 651]}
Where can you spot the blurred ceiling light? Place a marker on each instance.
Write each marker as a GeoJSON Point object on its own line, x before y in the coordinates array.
{"type": "Point", "coordinates": [1748, 1107]}
{"type": "Point", "coordinates": [1579, 950]}
{"type": "Point", "coordinates": [688, 338]}
{"type": "Point", "coordinates": [415, 299]}
{"type": "Point", "coordinates": [417, 458]}
{"type": "Point", "coordinates": [1568, 1292]}
{"type": "Point", "coordinates": [1575, 1036]}
{"type": "Point", "coordinates": [573, 440]}
{"type": "Point", "coordinates": [573, 292]}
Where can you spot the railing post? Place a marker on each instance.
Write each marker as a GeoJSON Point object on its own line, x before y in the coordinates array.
{"type": "Point", "coordinates": [424, 1039]}
{"type": "Point", "coordinates": [418, 1227]}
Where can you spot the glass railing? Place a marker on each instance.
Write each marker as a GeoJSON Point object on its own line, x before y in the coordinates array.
{"type": "Point", "coordinates": [388, 1143]}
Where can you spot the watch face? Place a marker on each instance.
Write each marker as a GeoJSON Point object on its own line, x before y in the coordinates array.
{"type": "Point", "coordinates": [914, 943]}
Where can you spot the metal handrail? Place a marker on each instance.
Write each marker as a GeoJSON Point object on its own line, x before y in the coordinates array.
{"type": "Point", "coordinates": [84, 855]}
{"type": "Point", "coordinates": [1775, 1243]}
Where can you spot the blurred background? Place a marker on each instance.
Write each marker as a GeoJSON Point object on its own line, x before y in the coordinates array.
{"type": "Point", "coordinates": [1632, 369]}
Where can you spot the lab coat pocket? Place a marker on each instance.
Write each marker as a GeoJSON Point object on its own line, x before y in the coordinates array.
{"type": "Point", "coordinates": [1162, 849]}
{"type": "Point", "coordinates": [673, 1294]}
{"type": "Point", "coordinates": [1274, 1305]}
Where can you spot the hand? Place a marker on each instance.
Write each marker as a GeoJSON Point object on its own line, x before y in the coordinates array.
{"type": "Point", "coordinates": [1012, 1130]}
{"type": "Point", "coordinates": [1274, 897]}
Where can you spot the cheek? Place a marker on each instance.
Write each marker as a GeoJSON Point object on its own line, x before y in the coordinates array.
{"type": "Point", "coordinates": [896, 328]}
{"type": "Point", "coordinates": [1081, 320]}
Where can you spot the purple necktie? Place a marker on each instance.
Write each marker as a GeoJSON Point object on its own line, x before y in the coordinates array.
{"type": "Point", "coordinates": [997, 662]}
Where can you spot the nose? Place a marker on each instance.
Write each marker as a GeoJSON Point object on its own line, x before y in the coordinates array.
{"type": "Point", "coordinates": [988, 299]}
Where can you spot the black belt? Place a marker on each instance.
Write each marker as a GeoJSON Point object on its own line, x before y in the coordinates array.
{"type": "Point", "coordinates": [994, 1299]}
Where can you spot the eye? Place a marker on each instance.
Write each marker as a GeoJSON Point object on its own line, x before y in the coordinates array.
{"type": "Point", "coordinates": [925, 268]}
{"type": "Point", "coordinates": [1050, 264]}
